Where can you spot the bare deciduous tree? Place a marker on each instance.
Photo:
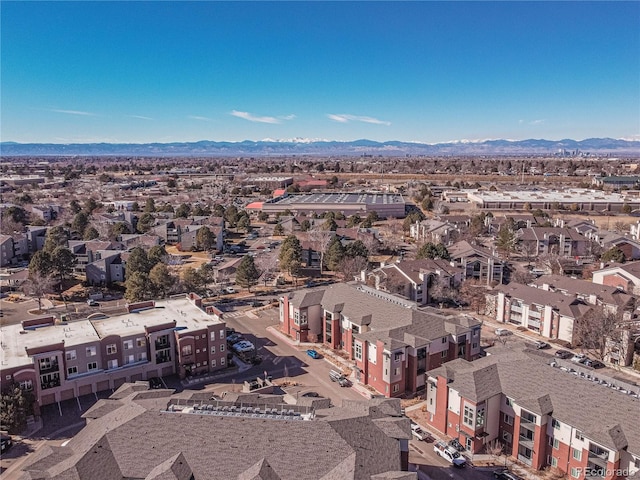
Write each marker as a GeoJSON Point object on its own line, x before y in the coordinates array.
{"type": "Point", "coordinates": [37, 285]}
{"type": "Point", "coordinates": [320, 240]}
{"type": "Point", "coordinates": [599, 330]}
{"type": "Point", "coordinates": [352, 266]}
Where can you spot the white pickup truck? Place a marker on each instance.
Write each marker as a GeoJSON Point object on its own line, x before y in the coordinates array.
{"type": "Point", "coordinates": [450, 454]}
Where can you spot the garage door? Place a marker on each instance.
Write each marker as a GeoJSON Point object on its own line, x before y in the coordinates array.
{"type": "Point", "coordinates": [104, 385]}
{"type": "Point", "coordinates": [47, 399]}
{"type": "Point", "coordinates": [85, 390]}
{"type": "Point", "coordinates": [66, 394]}
{"type": "Point", "coordinates": [136, 377]}
{"type": "Point", "coordinates": [167, 371]}
{"type": "Point", "coordinates": [118, 381]}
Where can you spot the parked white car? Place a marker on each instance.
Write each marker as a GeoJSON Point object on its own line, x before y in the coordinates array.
{"type": "Point", "coordinates": [501, 332]}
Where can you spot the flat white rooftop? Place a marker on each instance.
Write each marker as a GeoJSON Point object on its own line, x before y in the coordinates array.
{"type": "Point", "coordinates": [577, 195]}
{"type": "Point", "coordinates": [182, 310]}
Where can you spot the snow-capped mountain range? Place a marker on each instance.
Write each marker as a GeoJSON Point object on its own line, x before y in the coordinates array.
{"type": "Point", "coordinates": [305, 146]}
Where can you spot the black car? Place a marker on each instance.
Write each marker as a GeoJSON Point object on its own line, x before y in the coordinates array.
{"type": "Point", "coordinates": [563, 354]}
{"type": "Point", "coordinates": [457, 445]}
{"type": "Point", "coordinates": [311, 394]}
{"type": "Point", "coordinates": [593, 363]}
{"type": "Point", "coordinates": [155, 383]}
{"type": "Point", "coordinates": [6, 442]}
{"type": "Point", "coordinates": [506, 475]}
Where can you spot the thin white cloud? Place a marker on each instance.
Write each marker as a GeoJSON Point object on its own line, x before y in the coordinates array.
{"type": "Point", "coordinates": [287, 117]}
{"type": "Point", "coordinates": [253, 118]}
{"type": "Point", "coordinates": [198, 117]}
{"type": "Point", "coordinates": [537, 122]}
{"type": "Point", "coordinates": [345, 118]}
{"type": "Point", "coordinates": [141, 117]}
{"type": "Point", "coordinates": [73, 112]}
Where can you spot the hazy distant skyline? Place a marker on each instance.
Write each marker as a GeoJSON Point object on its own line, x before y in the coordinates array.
{"type": "Point", "coordinates": [81, 72]}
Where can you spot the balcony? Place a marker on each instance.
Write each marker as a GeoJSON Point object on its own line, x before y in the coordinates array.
{"type": "Point", "coordinates": [46, 383]}
{"type": "Point", "coordinates": [53, 367]}
{"type": "Point", "coordinates": [525, 460]}
{"type": "Point", "coordinates": [516, 308]}
{"type": "Point", "coordinates": [528, 423]}
{"type": "Point", "coordinates": [595, 471]}
{"type": "Point", "coordinates": [525, 441]}
{"type": "Point", "coordinates": [598, 457]}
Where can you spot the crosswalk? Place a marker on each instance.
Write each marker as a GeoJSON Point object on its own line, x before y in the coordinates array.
{"type": "Point", "coordinates": [234, 314]}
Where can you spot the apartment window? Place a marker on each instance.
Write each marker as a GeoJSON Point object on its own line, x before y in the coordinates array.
{"type": "Point", "coordinates": [92, 366]}
{"type": "Point", "coordinates": [444, 339]}
{"type": "Point", "coordinates": [213, 363]}
{"type": "Point", "coordinates": [357, 351]}
{"type": "Point", "coordinates": [507, 437]}
{"type": "Point", "coordinates": [130, 359]}
{"type": "Point", "coordinates": [222, 334]}
{"type": "Point", "coordinates": [555, 424]}
{"type": "Point", "coordinates": [508, 419]}
{"type": "Point", "coordinates": [213, 349]}
{"type": "Point", "coordinates": [480, 417]}
{"type": "Point", "coordinates": [556, 444]}
{"type": "Point", "coordinates": [197, 350]}
{"type": "Point", "coordinates": [575, 472]}
{"type": "Point", "coordinates": [444, 354]}
{"type": "Point", "coordinates": [111, 349]}
{"type": "Point", "coordinates": [213, 336]}
{"type": "Point", "coordinates": [397, 356]}
{"type": "Point", "coordinates": [71, 355]}
{"type": "Point", "coordinates": [187, 350]}
{"type": "Point", "coordinates": [198, 364]}
{"type": "Point", "coordinates": [579, 435]}
{"type": "Point", "coordinates": [553, 461]}
{"type": "Point", "coordinates": [72, 371]}
{"type": "Point", "coordinates": [197, 337]}
{"type": "Point", "coordinates": [396, 371]}
{"type": "Point", "coordinates": [141, 341]}
{"type": "Point", "coordinates": [474, 345]}
{"type": "Point", "coordinates": [142, 356]}
{"type": "Point", "coordinates": [222, 347]}
{"type": "Point", "coordinates": [112, 364]}
{"type": "Point", "coordinates": [577, 454]}
{"type": "Point", "coordinates": [468, 416]}
{"type": "Point", "coordinates": [508, 401]}
{"type": "Point", "coordinates": [636, 461]}
{"type": "Point", "coordinates": [26, 385]}
{"type": "Point", "coordinates": [396, 388]}
{"type": "Point", "coordinates": [222, 361]}
{"type": "Point", "coordinates": [127, 344]}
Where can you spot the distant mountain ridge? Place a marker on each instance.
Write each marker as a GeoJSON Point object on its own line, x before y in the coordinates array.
{"type": "Point", "coordinates": [298, 146]}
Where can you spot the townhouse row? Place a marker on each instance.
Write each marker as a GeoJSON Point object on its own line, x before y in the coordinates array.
{"type": "Point", "coordinates": [540, 415]}
{"type": "Point", "coordinates": [390, 342]}
{"type": "Point", "coordinates": [62, 360]}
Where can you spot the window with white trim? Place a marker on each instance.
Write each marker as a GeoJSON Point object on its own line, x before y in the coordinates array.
{"type": "Point", "coordinates": [127, 344]}
{"type": "Point", "coordinates": [26, 385]}
{"type": "Point", "coordinates": [575, 472]}
{"type": "Point", "coordinates": [91, 351]}
{"type": "Point", "coordinates": [130, 359]}
{"type": "Point", "coordinates": [141, 341]}
{"type": "Point", "coordinates": [508, 419]}
{"type": "Point", "coordinates": [187, 350]}
{"type": "Point", "coordinates": [555, 424]}
{"type": "Point", "coordinates": [444, 354]}
{"type": "Point", "coordinates": [72, 371]}
{"type": "Point", "coordinates": [142, 356]}
{"type": "Point", "coordinates": [396, 388]}
{"type": "Point", "coordinates": [112, 349]}
{"type": "Point", "coordinates": [579, 435]}
{"type": "Point", "coordinates": [92, 366]}
{"type": "Point", "coordinates": [576, 454]}
{"type": "Point", "coordinates": [556, 444]}
{"type": "Point", "coordinates": [507, 437]}
{"type": "Point", "coordinates": [213, 349]}
{"type": "Point", "coordinates": [70, 355]}
{"type": "Point", "coordinates": [213, 362]}
{"type": "Point", "coordinates": [357, 351]}
{"type": "Point", "coordinates": [222, 361]}
{"type": "Point", "coordinates": [222, 347]}
{"type": "Point", "coordinates": [553, 462]}
{"type": "Point", "coordinates": [112, 364]}
{"type": "Point", "coordinates": [468, 416]}
{"type": "Point", "coordinates": [222, 335]}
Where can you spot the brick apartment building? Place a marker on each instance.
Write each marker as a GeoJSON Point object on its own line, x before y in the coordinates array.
{"type": "Point", "coordinates": [391, 343]}
{"type": "Point", "coordinates": [62, 360]}
{"type": "Point", "coordinates": [542, 416]}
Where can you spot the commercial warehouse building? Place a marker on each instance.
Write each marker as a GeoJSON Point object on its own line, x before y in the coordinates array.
{"type": "Point", "coordinates": [579, 199]}
{"type": "Point", "coordinates": [384, 204]}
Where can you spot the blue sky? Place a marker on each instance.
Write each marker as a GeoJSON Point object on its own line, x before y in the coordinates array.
{"type": "Point", "coordinates": [415, 71]}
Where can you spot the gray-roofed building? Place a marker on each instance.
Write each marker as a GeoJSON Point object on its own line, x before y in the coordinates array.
{"type": "Point", "coordinates": [390, 342]}
{"type": "Point", "coordinates": [165, 437]}
{"type": "Point", "coordinates": [384, 204]}
{"type": "Point", "coordinates": [478, 263]}
{"type": "Point", "coordinates": [543, 416]}
{"type": "Point", "coordinates": [547, 313]}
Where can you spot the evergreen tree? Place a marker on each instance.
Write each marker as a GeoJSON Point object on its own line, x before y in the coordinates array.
{"type": "Point", "coordinates": [41, 263]}
{"type": "Point", "coordinates": [56, 237]}
{"type": "Point", "coordinates": [62, 261]}
{"type": "Point", "coordinates": [278, 230]}
{"type": "Point", "coordinates": [247, 274]}
{"type": "Point", "coordinates": [80, 222]}
{"type": "Point", "coordinates": [90, 233]}
{"type": "Point", "coordinates": [137, 285]}
{"type": "Point", "coordinates": [431, 250]}
{"type": "Point", "coordinates": [161, 279]}
{"type": "Point", "coordinates": [205, 239]}
{"type": "Point", "coordinates": [335, 254]}
{"type": "Point", "coordinates": [290, 254]}
{"type": "Point", "coordinates": [138, 262]}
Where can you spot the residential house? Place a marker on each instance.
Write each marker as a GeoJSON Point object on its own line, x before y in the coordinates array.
{"type": "Point", "coordinates": [540, 415]}
{"type": "Point", "coordinates": [432, 231]}
{"type": "Point", "coordinates": [109, 267]}
{"type": "Point", "coordinates": [477, 262]}
{"type": "Point", "coordinates": [7, 254]}
{"type": "Point", "coordinates": [625, 276]}
{"type": "Point", "coordinates": [36, 237]}
{"type": "Point", "coordinates": [46, 212]}
{"type": "Point", "coordinates": [59, 360]}
{"type": "Point", "coordinates": [390, 342]}
{"type": "Point", "coordinates": [413, 279]}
